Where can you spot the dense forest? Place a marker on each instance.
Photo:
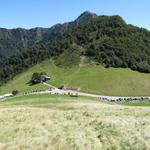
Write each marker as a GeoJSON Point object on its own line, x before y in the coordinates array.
{"type": "Point", "coordinates": [108, 40]}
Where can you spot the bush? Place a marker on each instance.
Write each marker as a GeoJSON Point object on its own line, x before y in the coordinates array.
{"type": "Point", "coordinates": [61, 87]}
{"type": "Point", "coordinates": [15, 92]}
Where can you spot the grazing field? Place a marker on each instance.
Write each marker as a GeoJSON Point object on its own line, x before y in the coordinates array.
{"type": "Point", "coordinates": [89, 77]}
{"type": "Point", "coordinates": [63, 122]}
{"type": "Point", "coordinates": [136, 103]}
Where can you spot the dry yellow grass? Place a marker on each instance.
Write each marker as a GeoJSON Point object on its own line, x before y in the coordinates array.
{"type": "Point", "coordinates": [83, 125]}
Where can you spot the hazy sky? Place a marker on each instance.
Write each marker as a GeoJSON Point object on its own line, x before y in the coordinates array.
{"type": "Point", "coordinates": [45, 13]}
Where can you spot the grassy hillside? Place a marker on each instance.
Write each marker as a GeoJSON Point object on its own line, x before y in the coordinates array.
{"type": "Point", "coordinates": [60, 122]}
{"type": "Point", "coordinates": [89, 77]}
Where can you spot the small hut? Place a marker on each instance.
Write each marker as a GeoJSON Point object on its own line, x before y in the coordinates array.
{"type": "Point", "coordinates": [75, 89]}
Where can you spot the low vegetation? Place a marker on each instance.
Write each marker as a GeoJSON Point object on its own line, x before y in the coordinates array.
{"type": "Point", "coordinates": [15, 92]}
{"type": "Point", "coordinates": [61, 122]}
{"type": "Point", "coordinates": [136, 103]}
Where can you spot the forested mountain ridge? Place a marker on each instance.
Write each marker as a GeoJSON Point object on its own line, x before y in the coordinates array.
{"type": "Point", "coordinates": [108, 40]}
{"type": "Point", "coordinates": [19, 39]}
{"type": "Point", "coordinates": [15, 40]}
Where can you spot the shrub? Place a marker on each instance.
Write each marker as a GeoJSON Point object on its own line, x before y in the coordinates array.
{"type": "Point", "coordinates": [61, 87]}
{"type": "Point", "coordinates": [15, 92]}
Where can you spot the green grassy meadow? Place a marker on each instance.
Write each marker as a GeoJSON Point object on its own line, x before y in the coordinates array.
{"type": "Point", "coordinates": [139, 103]}
{"type": "Point", "coordinates": [89, 77]}
{"type": "Point", "coordinates": [41, 100]}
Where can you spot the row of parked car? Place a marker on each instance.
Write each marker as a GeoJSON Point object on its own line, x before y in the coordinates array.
{"type": "Point", "coordinates": [115, 99]}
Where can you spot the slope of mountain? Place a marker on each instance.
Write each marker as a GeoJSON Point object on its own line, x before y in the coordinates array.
{"type": "Point", "coordinates": [107, 40]}
{"type": "Point", "coordinates": [88, 76]}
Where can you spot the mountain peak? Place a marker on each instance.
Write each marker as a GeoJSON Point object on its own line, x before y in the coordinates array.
{"type": "Point", "coordinates": [85, 16]}
{"type": "Point", "coordinates": [88, 13]}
